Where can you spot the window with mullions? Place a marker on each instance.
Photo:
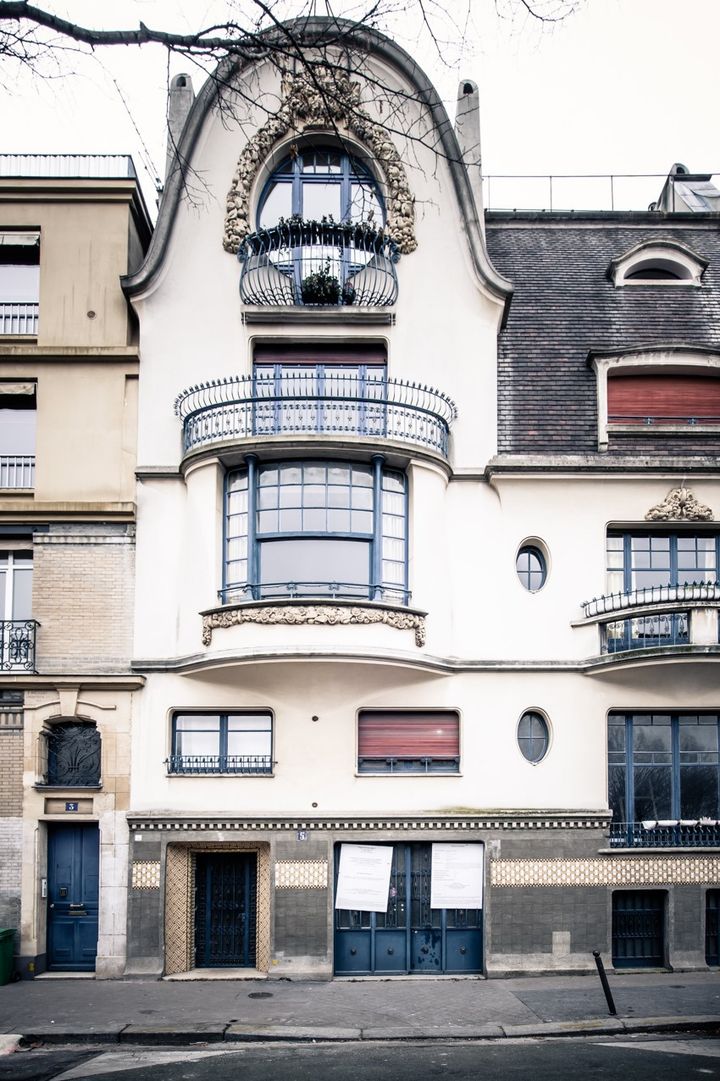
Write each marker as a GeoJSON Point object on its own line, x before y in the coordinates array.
{"type": "Point", "coordinates": [533, 736]}
{"type": "Point", "coordinates": [297, 529]}
{"type": "Point", "coordinates": [221, 743]}
{"type": "Point", "coordinates": [321, 397]}
{"type": "Point", "coordinates": [321, 182]}
{"type": "Point", "coordinates": [531, 567]}
{"type": "Point", "coordinates": [646, 566]}
{"type": "Point", "coordinates": [664, 767]}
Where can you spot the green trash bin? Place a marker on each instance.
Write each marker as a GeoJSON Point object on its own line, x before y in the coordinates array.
{"type": "Point", "coordinates": [7, 941]}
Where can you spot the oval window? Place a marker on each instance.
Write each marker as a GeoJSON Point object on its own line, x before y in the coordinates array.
{"type": "Point", "coordinates": [531, 567]}
{"type": "Point", "coordinates": [533, 736]}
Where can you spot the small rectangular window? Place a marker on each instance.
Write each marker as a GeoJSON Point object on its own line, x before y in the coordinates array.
{"type": "Point", "coordinates": [235, 743]}
{"type": "Point", "coordinates": [406, 741]}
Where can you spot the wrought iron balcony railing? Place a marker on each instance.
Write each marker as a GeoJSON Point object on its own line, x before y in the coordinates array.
{"type": "Point", "coordinates": [234, 594]}
{"type": "Point", "coordinates": [420, 764]}
{"type": "Point", "coordinates": [17, 645]}
{"type": "Point", "coordinates": [17, 470]}
{"type": "Point", "coordinates": [215, 763]}
{"type": "Point", "coordinates": [652, 595]}
{"type": "Point", "coordinates": [244, 407]}
{"type": "Point", "coordinates": [18, 318]}
{"type": "Point", "coordinates": [680, 834]}
{"type": "Point", "coordinates": [646, 632]}
{"type": "Point", "coordinates": [318, 263]}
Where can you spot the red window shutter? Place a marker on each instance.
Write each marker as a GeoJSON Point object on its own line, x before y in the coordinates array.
{"type": "Point", "coordinates": [322, 353]}
{"type": "Point", "coordinates": [408, 735]}
{"type": "Point", "coordinates": [634, 398]}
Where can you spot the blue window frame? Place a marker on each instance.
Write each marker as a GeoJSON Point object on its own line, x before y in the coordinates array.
{"type": "Point", "coordinates": [237, 742]}
{"type": "Point", "coordinates": [321, 182]}
{"type": "Point", "coordinates": [664, 766]}
{"type": "Point", "coordinates": [315, 528]}
{"type": "Point", "coordinates": [644, 566]}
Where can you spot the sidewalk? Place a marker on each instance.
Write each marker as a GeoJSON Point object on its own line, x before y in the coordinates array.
{"type": "Point", "coordinates": [159, 1012]}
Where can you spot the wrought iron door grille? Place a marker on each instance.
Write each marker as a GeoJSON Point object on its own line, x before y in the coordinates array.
{"type": "Point", "coordinates": [225, 908]}
{"type": "Point", "coordinates": [638, 929]}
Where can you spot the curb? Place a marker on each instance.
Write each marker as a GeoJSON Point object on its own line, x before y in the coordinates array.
{"type": "Point", "coordinates": [234, 1032]}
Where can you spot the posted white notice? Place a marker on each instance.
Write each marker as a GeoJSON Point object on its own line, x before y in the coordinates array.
{"type": "Point", "coordinates": [364, 877]}
{"type": "Point", "coordinates": [457, 876]}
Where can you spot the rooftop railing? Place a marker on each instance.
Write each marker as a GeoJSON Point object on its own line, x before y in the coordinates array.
{"type": "Point", "coordinates": [678, 191]}
{"type": "Point", "coordinates": [677, 834]}
{"type": "Point", "coordinates": [68, 166]}
{"type": "Point", "coordinates": [244, 407]}
{"type": "Point", "coordinates": [318, 264]}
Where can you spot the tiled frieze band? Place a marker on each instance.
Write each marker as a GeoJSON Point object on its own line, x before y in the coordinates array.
{"type": "Point", "coordinates": [367, 825]}
{"type": "Point", "coordinates": [607, 871]}
{"type": "Point", "coordinates": [301, 875]}
{"type": "Point", "coordinates": [145, 875]}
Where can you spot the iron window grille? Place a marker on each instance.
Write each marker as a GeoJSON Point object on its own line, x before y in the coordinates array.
{"type": "Point", "coordinates": [315, 529]}
{"type": "Point", "coordinates": [234, 743]}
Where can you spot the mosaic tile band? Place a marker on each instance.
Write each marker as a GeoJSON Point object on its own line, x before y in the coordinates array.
{"type": "Point", "coordinates": [145, 875]}
{"type": "Point", "coordinates": [607, 871]}
{"type": "Point", "coordinates": [301, 875]}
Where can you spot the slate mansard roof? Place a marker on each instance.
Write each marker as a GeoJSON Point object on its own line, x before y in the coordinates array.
{"type": "Point", "coordinates": [565, 306]}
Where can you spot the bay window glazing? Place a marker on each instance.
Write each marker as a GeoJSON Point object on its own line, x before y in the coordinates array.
{"type": "Point", "coordinates": [300, 529]}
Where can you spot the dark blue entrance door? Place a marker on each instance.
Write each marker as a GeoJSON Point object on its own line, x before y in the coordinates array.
{"type": "Point", "coordinates": [225, 903]}
{"type": "Point", "coordinates": [410, 937]}
{"type": "Point", "coordinates": [72, 897]}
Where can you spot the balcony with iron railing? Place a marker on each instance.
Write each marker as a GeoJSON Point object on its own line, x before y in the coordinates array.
{"type": "Point", "coordinates": [657, 618]}
{"type": "Point", "coordinates": [296, 404]}
{"type": "Point", "coordinates": [17, 645]}
{"type": "Point", "coordinates": [17, 471]}
{"type": "Point", "coordinates": [213, 763]}
{"type": "Point", "coordinates": [318, 264]}
{"type": "Point", "coordinates": [19, 317]}
{"type": "Point", "coordinates": [700, 833]}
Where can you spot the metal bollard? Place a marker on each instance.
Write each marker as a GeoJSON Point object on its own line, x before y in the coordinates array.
{"type": "Point", "coordinates": [604, 982]}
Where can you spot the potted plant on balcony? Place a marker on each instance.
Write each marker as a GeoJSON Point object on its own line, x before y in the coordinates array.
{"type": "Point", "coordinates": [321, 287]}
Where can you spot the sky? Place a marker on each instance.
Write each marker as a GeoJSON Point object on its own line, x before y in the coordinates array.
{"type": "Point", "coordinates": [622, 86]}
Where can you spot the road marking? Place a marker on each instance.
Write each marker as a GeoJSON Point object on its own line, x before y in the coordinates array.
{"type": "Point", "coordinates": [116, 1061]}
{"type": "Point", "coordinates": [703, 1048]}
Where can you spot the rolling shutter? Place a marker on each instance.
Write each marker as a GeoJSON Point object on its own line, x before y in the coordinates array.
{"type": "Point", "coordinates": [632, 399]}
{"type": "Point", "coordinates": [404, 734]}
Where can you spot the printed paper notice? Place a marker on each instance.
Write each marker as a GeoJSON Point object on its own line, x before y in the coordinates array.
{"type": "Point", "coordinates": [364, 877]}
{"type": "Point", "coordinates": [457, 876]}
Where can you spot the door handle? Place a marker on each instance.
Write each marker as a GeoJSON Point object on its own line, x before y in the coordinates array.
{"type": "Point", "coordinates": [52, 904]}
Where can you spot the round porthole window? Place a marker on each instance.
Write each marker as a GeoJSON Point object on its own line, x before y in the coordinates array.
{"type": "Point", "coordinates": [531, 567]}
{"type": "Point", "coordinates": [533, 736]}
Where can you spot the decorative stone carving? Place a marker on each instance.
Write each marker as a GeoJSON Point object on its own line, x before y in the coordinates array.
{"type": "Point", "coordinates": [318, 614]}
{"type": "Point", "coordinates": [330, 100]}
{"type": "Point", "coordinates": [680, 505]}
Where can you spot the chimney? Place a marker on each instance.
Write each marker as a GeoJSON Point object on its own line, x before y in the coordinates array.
{"type": "Point", "coordinates": [180, 99]}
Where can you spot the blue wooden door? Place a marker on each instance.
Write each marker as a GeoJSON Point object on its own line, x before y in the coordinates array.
{"type": "Point", "coordinates": [410, 937]}
{"type": "Point", "coordinates": [73, 853]}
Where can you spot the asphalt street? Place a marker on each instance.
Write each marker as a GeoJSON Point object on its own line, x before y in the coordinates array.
{"type": "Point", "coordinates": [642, 1058]}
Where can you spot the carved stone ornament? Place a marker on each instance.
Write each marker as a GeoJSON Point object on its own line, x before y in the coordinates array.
{"type": "Point", "coordinates": [680, 505]}
{"type": "Point", "coordinates": [318, 614]}
{"type": "Point", "coordinates": [331, 100]}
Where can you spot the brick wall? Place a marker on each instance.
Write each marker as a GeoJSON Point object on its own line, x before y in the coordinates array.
{"type": "Point", "coordinates": [11, 771]}
{"type": "Point", "coordinates": [82, 597]}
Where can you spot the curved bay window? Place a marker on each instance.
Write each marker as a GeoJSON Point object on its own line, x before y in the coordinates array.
{"type": "Point", "coordinates": [316, 529]}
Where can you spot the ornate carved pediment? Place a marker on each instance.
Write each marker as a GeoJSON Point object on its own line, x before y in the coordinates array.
{"type": "Point", "coordinates": [680, 505]}
{"type": "Point", "coordinates": [327, 614]}
{"type": "Point", "coordinates": [330, 101]}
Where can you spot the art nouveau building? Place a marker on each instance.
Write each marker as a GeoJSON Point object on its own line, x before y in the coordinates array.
{"type": "Point", "coordinates": [427, 554]}
{"type": "Point", "coordinates": [70, 226]}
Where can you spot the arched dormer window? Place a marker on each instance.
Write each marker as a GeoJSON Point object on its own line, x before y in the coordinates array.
{"type": "Point", "coordinates": [320, 237]}
{"type": "Point", "coordinates": [657, 263]}
{"type": "Point", "coordinates": [316, 182]}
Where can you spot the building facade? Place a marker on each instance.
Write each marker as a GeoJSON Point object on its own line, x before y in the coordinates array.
{"type": "Point", "coordinates": [71, 225]}
{"type": "Point", "coordinates": [388, 454]}
{"type": "Point", "coordinates": [422, 677]}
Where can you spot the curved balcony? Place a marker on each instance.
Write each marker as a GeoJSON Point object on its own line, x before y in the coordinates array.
{"type": "Point", "coordinates": [244, 407]}
{"type": "Point", "coordinates": [319, 264]}
{"type": "Point", "coordinates": [657, 617]}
